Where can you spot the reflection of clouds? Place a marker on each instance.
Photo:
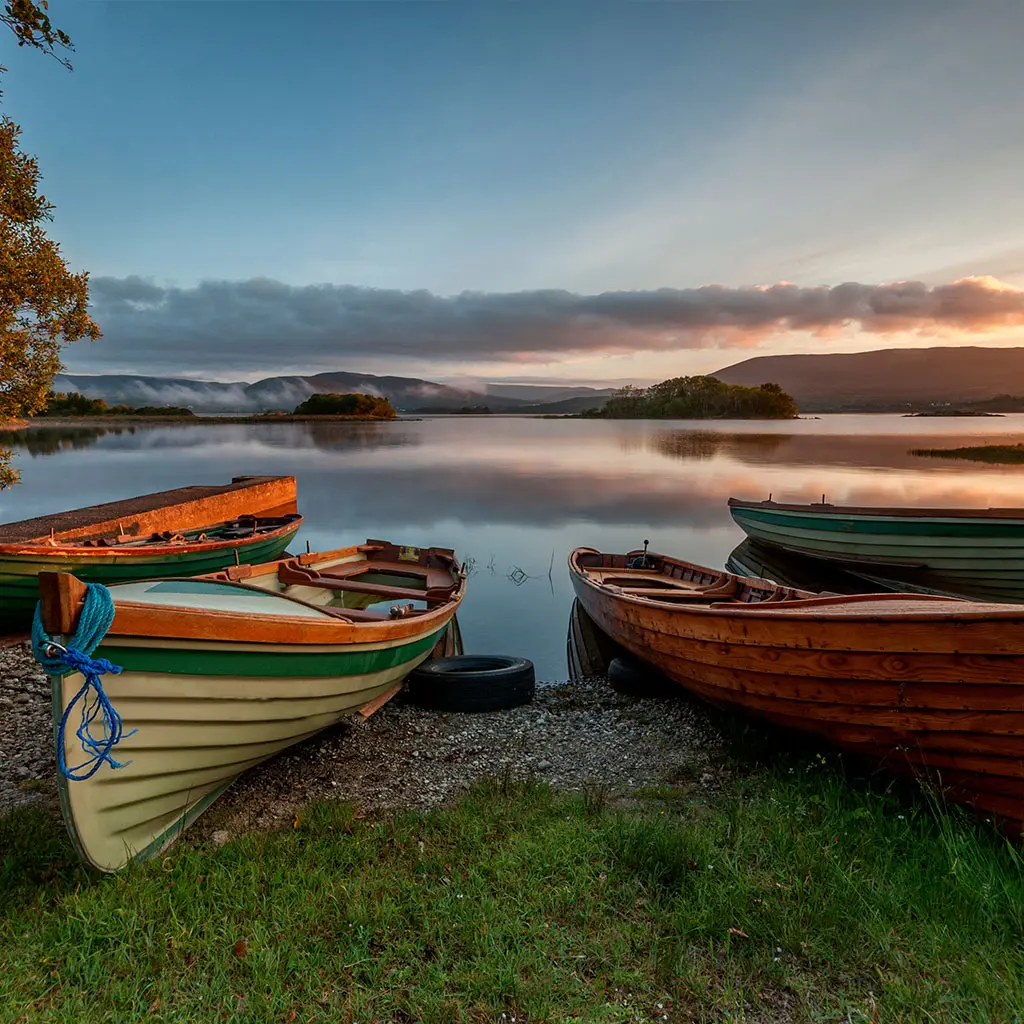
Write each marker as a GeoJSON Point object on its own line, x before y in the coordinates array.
{"type": "Point", "coordinates": [533, 474]}
{"type": "Point", "coordinates": [474, 493]}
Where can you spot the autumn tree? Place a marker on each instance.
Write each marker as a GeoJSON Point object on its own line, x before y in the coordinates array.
{"type": "Point", "coordinates": [43, 305]}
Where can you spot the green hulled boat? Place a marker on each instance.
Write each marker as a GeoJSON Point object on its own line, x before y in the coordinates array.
{"type": "Point", "coordinates": [973, 552]}
{"type": "Point", "coordinates": [185, 532]}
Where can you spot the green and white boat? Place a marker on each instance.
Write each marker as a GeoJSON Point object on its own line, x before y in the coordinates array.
{"type": "Point", "coordinates": [224, 671]}
{"type": "Point", "coordinates": [185, 532]}
{"type": "Point", "coordinates": [971, 552]}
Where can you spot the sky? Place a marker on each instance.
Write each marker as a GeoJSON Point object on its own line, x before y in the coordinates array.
{"type": "Point", "coordinates": [567, 191]}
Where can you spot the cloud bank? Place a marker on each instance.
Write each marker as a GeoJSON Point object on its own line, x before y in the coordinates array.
{"type": "Point", "coordinates": [260, 323]}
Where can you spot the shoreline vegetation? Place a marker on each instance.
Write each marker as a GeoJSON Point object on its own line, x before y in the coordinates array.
{"type": "Point", "coordinates": [74, 409]}
{"type": "Point", "coordinates": [952, 412]}
{"type": "Point", "coordinates": [797, 892]}
{"type": "Point", "coordinates": [700, 397]}
{"type": "Point", "coordinates": [1006, 454]}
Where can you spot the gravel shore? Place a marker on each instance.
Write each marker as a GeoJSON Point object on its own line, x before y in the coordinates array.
{"type": "Point", "coordinates": [574, 736]}
{"type": "Point", "coordinates": [27, 762]}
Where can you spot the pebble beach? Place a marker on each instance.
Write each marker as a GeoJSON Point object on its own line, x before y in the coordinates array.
{"type": "Point", "coordinates": [574, 736]}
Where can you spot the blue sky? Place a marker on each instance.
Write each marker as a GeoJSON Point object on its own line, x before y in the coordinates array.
{"type": "Point", "coordinates": [518, 148]}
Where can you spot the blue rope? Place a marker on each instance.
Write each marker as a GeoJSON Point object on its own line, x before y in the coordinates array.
{"type": "Point", "coordinates": [96, 618]}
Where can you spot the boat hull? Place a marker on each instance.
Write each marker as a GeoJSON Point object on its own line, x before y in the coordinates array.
{"type": "Point", "coordinates": [203, 714]}
{"type": "Point", "coordinates": [221, 672]}
{"type": "Point", "coordinates": [19, 572]}
{"type": "Point", "coordinates": [939, 695]}
{"type": "Point", "coordinates": [979, 556]}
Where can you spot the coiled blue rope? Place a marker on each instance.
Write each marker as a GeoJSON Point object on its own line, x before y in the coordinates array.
{"type": "Point", "coordinates": [57, 659]}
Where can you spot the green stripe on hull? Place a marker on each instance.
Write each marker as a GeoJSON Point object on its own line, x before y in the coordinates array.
{"type": "Point", "coordinates": [292, 662]}
{"type": "Point", "coordinates": [19, 588]}
{"type": "Point", "coordinates": [893, 526]}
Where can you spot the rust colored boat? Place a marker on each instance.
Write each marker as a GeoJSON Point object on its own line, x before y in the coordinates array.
{"type": "Point", "coordinates": [931, 685]}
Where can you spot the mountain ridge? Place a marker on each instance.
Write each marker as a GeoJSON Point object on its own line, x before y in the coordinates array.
{"type": "Point", "coordinates": [890, 378]}
{"type": "Point", "coordinates": [896, 379]}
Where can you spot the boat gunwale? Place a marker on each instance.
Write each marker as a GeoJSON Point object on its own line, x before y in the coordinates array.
{"type": "Point", "coordinates": [35, 549]}
{"type": "Point", "coordinates": [167, 622]}
{"type": "Point", "coordinates": [794, 610]}
{"type": "Point", "coordinates": [871, 511]}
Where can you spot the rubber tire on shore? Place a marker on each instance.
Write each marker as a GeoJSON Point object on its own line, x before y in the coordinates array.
{"type": "Point", "coordinates": [473, 682]}
{"type": "Point", "coordinates": [629, 676]}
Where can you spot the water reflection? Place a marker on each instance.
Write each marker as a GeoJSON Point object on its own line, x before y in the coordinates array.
{"type": "Point", "coordinates": [866, 451]}
{"type": "Point", "coordinates": [520, 493]}
{"type": "Point", "coordinates": [752, 559]}
{"type": "Point", "coordinates": [50, 440]}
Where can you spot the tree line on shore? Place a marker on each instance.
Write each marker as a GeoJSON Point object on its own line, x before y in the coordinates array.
{"type": "Point", "coordinates": [75, 404]}
{"type": "Point", "coordinates": [699, 398]}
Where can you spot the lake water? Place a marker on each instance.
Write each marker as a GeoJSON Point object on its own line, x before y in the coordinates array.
{"type": "Point", "coordinates": [513, 493]}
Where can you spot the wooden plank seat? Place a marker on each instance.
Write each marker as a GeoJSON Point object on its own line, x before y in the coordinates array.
{"type": "Point", "coordinates": [296, 575]}
{"type": "Point", "coordinates": [431, 578]}
{"type": "Point", "coordinates": [641, 586]}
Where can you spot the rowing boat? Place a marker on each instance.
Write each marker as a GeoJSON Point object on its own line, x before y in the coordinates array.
{"type": "Point", "coordinates": [930, 685]}
{"type": "Point", "coordinates": [184, 532]}
{"type": "Point", "coordinates": [973, 552]}
{"type": "Point", "coordinates": [223, 671]}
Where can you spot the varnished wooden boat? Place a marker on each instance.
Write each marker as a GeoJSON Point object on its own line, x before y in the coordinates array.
{"type": "Point", "coordinates": [223, 671]}
{"type": "Point", "coordinates": [971, 551]}
{"type": "Point", "coordinates": [931, 685]}
{"type": "Point", "coordinates": [183, 532]}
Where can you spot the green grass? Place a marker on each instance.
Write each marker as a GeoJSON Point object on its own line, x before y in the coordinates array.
{"type": "Point", "coordinates": [998, 453]}
{"type": "Point", "coordinates": [798, 895]}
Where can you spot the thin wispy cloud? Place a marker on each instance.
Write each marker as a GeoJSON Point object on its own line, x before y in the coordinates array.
{"type": "Point", "coordinates": [263, 324]}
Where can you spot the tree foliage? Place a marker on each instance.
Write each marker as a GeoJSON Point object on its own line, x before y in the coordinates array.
{"type": "Point", "coordinates": [31, 24]}
{"type": "Point", "coordinates": [72, 403]}
{"type": "Point", "coordinates": [42, 304]}
{"type": "Point", "coordinates": [700, 398]}
{"type": "Point", "coordinates": [346, 405]}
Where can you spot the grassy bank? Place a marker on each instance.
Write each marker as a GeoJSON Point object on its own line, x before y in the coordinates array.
{"type": "Point", "coordinates": [1010, 454]}
{"type": "Point", "coordinates": [795, 896]}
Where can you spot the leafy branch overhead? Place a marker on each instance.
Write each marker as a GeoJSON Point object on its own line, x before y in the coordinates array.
{"type": "Point", "coordinates": [31, 24]}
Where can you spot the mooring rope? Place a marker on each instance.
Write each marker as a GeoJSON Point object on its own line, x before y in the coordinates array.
{"type": "Point", "coordinates": [59, 659]}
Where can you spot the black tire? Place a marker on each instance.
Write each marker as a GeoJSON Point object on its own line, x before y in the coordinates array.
{"type": "Point", "coordinates": [637, 679]}
{"type": "Point", "coordinates": [473, 682]}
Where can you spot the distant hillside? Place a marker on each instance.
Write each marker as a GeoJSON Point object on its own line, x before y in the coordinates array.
{"type": "Point", "coordinates": [284, 393]}
{"type": "Point", "coordinates": [894, 378]}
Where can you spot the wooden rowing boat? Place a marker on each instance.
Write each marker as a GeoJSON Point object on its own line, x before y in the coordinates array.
{"type": "Point", "coordinates": [974, 552]}
{"type": "Point", "coordinates": [184, 532]}
{"type": "Point", "coordinates": [223, 671]}
{"type": "Point", "coordinates": [931, 685]}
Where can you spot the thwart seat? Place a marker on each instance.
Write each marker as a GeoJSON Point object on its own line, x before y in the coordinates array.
{"type": "Point", "coordinates": [343, 579]}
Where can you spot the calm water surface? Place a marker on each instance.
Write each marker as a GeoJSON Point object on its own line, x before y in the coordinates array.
{"type": "Point", "coordinates": [517, 494]}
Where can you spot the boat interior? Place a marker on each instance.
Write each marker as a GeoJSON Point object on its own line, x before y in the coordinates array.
{"type": "Point", "coordinates": [644, 575]}
{"type": "Point", "coordinates": [377, 581]}
{"type": "Point", "coordinates": [241, 528]}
